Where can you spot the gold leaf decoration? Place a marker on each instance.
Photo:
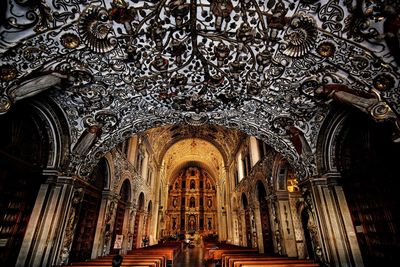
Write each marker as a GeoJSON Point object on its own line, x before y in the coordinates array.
{"type": "Point", "coordinates": [95, 29]}
{"type": "Point", "coordinates": [301, 36]}
{"type": "Point", "coordinates": [70, 40]}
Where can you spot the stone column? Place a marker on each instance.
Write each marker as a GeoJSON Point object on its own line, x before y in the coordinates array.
{"type": "Point", "coordinates": [287, 230]}
{"type": "Point", "coordinates": [259, 230]}
{"type": "Point", "coordinates": [99, 240]}
{"type": "Point", "coordinates": [107, 231]}
{"type": "Point", "coordinates": [132, 216]}
{"type": "Point", "coordinates": [235, 222]}
{"type": "Point", "coordinates": [242, 218]}
{"type": "Point", "coordinates": [218, 219]}
{"type": "Point", "coordinates": [140, 228]}
{"type": "Point", "coordinates": [53, 214]}
{"type": "Point", "coordinates": [275, 223]}
{"type": "Point", "coordinates": [294, 198]}
{"type": "Point", "coordinates": [228, 209]}
{"type": "Point", "coordinates": [126, 232]}
{"type": "Point", "coordinates": [339, 245]}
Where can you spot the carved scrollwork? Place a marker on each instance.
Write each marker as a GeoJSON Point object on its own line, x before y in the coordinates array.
{"type": "Point", "coordinates": [382, 111]}
{"type": "Point", "coordinates": [173, 65]}
{"type": "Point", "coordinates": [95, 29]}
{"type": "Point", "coordinates": [5, 104]}
{"type": "Point", "coordinates": [196, 119]}
{"type": "Point", "coordinates": [8, 73]}
{"type": "Point", "coordinates": [301, 36]}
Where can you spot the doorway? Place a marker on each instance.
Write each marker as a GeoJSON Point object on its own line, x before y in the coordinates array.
{"type": "Point", "coordinates": [369, 165]}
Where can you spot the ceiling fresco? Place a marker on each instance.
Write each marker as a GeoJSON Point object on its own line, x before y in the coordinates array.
{"type": "Point", "coordinates": [267, 68]}
{"type": "Point", "coordinates": [193, 152]}
{"type": "Point", "coordinates": [225, 140]}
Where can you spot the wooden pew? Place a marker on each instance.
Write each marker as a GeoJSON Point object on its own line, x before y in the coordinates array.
{"type": "Point", "coordinates": [139, 260]}
{"type": "Point", "coordinates": [213, 256]}
{"type": "Point", "coordinates": [169, 249]}
{"type": "Point", "coordinates": [141, 263]}
{"type": "Point", "coordinates": [167, 253]}
{"type": "Point", "coordinates": [261, 264]}
{"type": "Point", "coordinates": [273, 263]}
{"type": "Point", "coordinates": [160, 260]}
{"type": "Point", "coordinates": [236, 256]}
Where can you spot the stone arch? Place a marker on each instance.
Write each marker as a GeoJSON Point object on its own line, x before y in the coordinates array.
{"type": "Point", "coordinates": [56, 126]}
{"type": "Point", "coordinates": [248, 238]}
{"type": "Point", "coordinates": [121, 215]}
{"type": "Point", "coordinates": [27, 139]}
{"type": "Point", "coordinates": [244, 201]}
{"type": "Point", "coordinates": [126, 191]}
{"type": "Point", "coordinates": [327, 139]}
{"type": "Point", "coordinates": [88, 212]}
{"type": "Point", "coordinates": [264, 215]}
{"type": "Point", "coordinates": [307, 223]}
{"type": "Point", "coordinates": [141, 201]}
{"type": "Point", "coordinates": [367, 162]}
{"type": "Point", "coordinates": [138, 230]}
{"type": "Point", "coordinates": [110, 170]}
{"type": "Point", "coordinates": [279, 174]}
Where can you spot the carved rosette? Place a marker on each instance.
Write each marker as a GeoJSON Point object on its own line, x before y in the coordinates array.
{"type": "Point", "coordinates": [301, 36]}
{"type": "Point", "coordinates": [5, 104]}
{"type": "Point", "coordinates": [95, 29]}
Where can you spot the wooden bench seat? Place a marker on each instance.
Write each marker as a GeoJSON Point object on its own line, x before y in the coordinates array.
{"type": "Point", "coordinates": [158, 259]}
{"type": "Point", "coordinates": [170, 254]}
{"type": "Point", "coordinates": [261, 264]}
{"type": "Point", "coordinates": [214, 255]}
{"type": "Point", "coordinates": [140, 263]}
{"type": "Point", "coordinates": [227, 259]}
{"type": "Point", "coordinates": [139, 260]}
{"type": "Point", "coordinates": [273, 263]}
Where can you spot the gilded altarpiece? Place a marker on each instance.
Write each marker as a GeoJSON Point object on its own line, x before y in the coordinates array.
{"type": "Point", "coordinates": [192, 203]}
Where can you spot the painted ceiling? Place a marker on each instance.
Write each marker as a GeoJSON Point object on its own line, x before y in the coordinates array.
{"type": "Point", "coordinates": [262, 67]}
{"type": "Point", "coordinates": [225, 140]}
{"type": "Point", "coordinates": [193, 152]}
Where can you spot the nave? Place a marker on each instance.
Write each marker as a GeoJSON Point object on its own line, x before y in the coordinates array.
{"type": "Point", "coordinates": [178, 254]}
{"type": "Point", "coordinates": [269, 126]}
{"type": "Point", "coordinates": [193, 257]}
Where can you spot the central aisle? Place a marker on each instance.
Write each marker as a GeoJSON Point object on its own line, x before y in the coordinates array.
{"type": "Point", "coordinates": [190, 257]}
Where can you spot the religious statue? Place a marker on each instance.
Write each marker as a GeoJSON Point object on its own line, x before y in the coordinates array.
{"type": "Point", "coordinates": [369, 103]}
{"type": "Point", "coordinates": [87, 140]}
{"type": "Point", "coordinates": [192, 202]}
{"type": "Point", "coordinates": [299, 141]}
{"type": "Point", "coordinates": [35, 85]}
{"type": "Point", "coordinates": [192, 184]}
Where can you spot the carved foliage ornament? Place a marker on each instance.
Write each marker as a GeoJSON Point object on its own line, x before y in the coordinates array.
{"type": "Point", "coordinates": [300, 36]}
{"type": "Point", "coordinates": [95, 29]}
{"type": "Point", "coordinates": [214, 62]}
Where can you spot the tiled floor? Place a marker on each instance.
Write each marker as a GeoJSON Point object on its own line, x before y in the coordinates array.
{"type": "Point", "coordinates": [190, 257]}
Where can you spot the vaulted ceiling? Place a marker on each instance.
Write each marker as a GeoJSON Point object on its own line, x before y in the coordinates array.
{"type": "Point", "coordinates": [223, 139]}
{"type": "Point", "coordinates": [256, 66]}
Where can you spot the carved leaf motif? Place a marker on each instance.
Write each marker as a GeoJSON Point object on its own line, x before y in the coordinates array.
{"type": "Point", "coordinates": [301, 36]}
{"type": "Point", "coordinates": [95, 29]}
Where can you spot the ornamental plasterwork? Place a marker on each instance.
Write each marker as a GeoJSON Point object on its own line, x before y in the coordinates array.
{"type": "Point", "coordinates": [120, 67]}
{"type": "Point", "coordinates": [187, 150]}
{"type": "Point", "coordinates": [162, 138]}
{"type": "Point", "coordinates": [123, 169]}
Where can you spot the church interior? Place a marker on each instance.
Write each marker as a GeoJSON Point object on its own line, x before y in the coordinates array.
{"type": "Point", "coordinates": [271, 127]}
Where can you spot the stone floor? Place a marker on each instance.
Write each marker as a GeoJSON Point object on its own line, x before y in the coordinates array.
{"type": "Point", "coordinates": [190, 257]}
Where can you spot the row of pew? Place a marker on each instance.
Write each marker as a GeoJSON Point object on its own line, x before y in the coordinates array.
{"type": "Point", "coordinates": [225, 255]}
{"type": "Point", "coordinates": [162, 255]}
